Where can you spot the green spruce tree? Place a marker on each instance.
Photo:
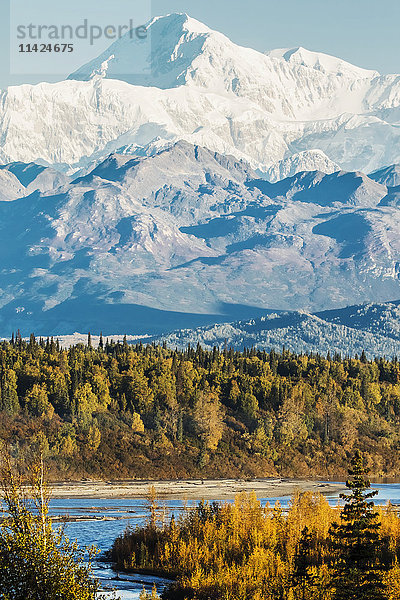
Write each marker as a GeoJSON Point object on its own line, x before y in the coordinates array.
{"type": "Point", "coordinates": [357, 548]}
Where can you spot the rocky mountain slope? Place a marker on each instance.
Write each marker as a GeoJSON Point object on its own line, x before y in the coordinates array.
{"type": "Point", "coordinates": [189, 237]}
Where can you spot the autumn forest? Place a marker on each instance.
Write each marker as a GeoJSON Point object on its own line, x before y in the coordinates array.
{"type": "Point", "coordinates": [152, 412]}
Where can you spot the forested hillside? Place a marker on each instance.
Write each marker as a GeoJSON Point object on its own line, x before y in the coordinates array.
{"type": "Point", "coordinates": [121, 411]}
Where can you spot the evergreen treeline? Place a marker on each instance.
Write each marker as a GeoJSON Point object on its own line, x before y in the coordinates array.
{"type": "Point", "coordinates": [149, 411]}
{"type": "Point", "coordinates": [242, 551]}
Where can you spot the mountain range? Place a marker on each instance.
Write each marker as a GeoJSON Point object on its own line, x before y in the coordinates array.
{"type": "Point", "coordinates": [292, 105]}
{"type": "Point", "coordinates": [189, 237]}
{"type": "Point", "coordinates": [223, 187]}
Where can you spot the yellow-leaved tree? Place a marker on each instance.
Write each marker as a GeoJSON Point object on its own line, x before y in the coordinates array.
{"type": "Point", "coordinates": [208, 419]}
{"type": "Point", "coordinates": [38, 562]}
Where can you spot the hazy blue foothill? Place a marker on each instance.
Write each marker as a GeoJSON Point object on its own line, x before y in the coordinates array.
{"type": "Point", "coordinates": [134, 246]}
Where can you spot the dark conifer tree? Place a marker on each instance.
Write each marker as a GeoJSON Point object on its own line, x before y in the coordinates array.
{"type": "Point", "coordinates": [303, 561]}
{"type": "Point", "coordinates": [179, 431]}
{"type": "Point", "coordinates": [358, 550]}
{"type": "Point", "coordinates": [215, 353]}
{"type": "Point", "coordinates": [19, 339]}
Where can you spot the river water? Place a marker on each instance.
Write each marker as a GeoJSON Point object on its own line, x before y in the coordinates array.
{"type": "Point", "coordinates": [101, 521]}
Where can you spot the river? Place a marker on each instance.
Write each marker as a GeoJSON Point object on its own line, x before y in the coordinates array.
{"type": "Point", "coordinates": [101, 521]}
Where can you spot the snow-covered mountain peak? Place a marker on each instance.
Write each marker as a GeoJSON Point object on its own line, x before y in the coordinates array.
{"type": "Point", "coordinates": [185, 21]}
{"type": "Point", "coordinates": [321, 62]}
{"type": "Point", "coordinates": [184, 52]}
{"type": "Point", "coordinates": [309, 109]}
{"type": "Point", "coordinates": [160, 60]}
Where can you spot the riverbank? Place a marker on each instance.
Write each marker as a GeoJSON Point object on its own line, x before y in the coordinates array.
{"type": "Point", "coordinates": [192, 489]}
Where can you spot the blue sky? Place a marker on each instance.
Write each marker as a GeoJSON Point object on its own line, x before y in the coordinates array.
{"type": "Point", "coordinates": [364, 32]}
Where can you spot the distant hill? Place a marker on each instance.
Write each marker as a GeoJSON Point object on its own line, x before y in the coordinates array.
{"type": "Point", "coordinates": [374, 328]}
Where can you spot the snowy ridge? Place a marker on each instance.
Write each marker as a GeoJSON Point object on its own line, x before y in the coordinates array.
{"type": "Point", "coordinates": [320, 62]}
{"type": "Point", "coordinates": [309, 160]}
{"type": "Point", "coordinates": [206, 90]}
